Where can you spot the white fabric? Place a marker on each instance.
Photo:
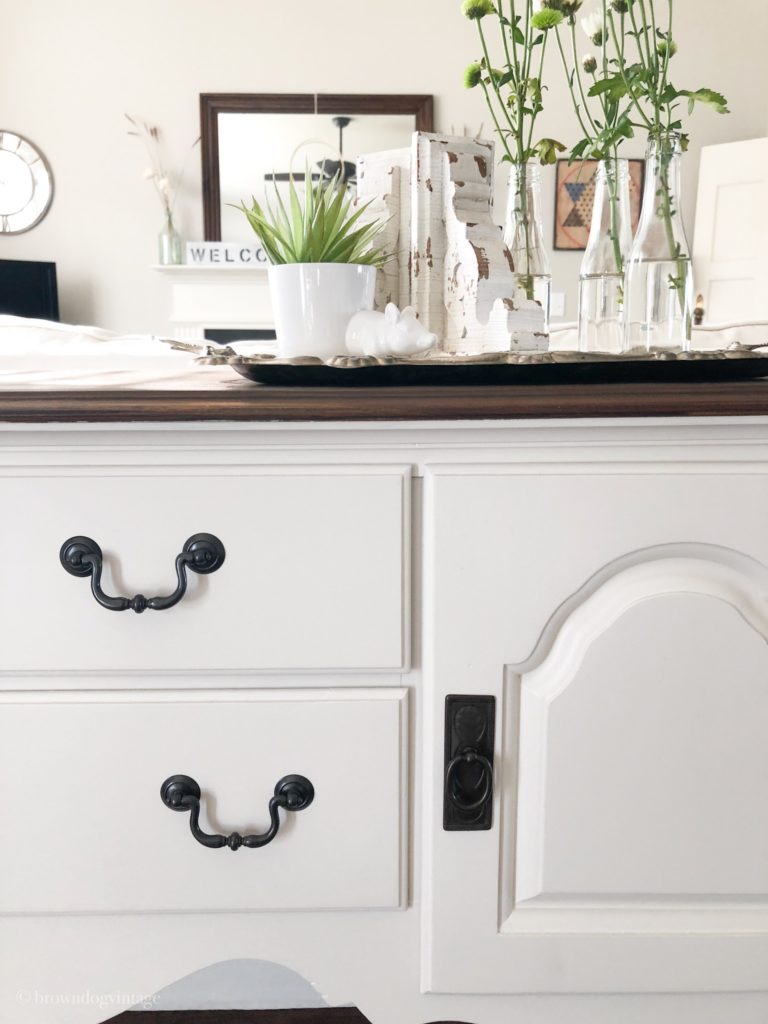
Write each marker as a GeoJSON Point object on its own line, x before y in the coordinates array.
{"type": "Point", "coordinates": [43, 354]}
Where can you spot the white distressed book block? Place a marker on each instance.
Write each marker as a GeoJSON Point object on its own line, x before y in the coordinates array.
{"type": "Point", "coordinates": [383, 180]}
{"type": "Point", "coordinates": [428, 235]}
{"type": "Point", "coordinates": [484, 311]}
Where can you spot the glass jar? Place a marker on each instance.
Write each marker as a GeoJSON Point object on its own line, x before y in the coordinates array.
{"type": "Point", "coordinates": [524, 236]}
{"type": "Point", "coordinates": [170, 245]}
{"type": "Point", "coordinates": [601, 281]}
{"type": "Point", "coordinates": [659, 274]}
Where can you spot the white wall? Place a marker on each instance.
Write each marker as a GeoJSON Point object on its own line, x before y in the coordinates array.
{"type": "Point", "coordinates": [70, 68]}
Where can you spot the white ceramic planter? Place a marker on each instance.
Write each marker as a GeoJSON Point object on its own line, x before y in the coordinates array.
{"type": "Point", "coordinates": [314, 302]}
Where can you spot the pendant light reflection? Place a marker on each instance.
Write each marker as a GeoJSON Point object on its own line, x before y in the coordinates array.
{"type": "Point", "coordinates": [326, 168]}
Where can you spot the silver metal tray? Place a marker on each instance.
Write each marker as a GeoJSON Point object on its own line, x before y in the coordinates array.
{"type": "Point", "coordinates": [662, 367]}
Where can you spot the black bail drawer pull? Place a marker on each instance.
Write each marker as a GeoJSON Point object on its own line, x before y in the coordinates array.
{"type": "Point", "coordinates": [181, 793]}
{"type": "Point", "coordinates": [202, 553]}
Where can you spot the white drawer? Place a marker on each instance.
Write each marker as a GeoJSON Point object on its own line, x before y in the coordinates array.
{"type": "Point", "coordinates": [80, 781]}
{"type": "Point", "coordinates": [315, 574]}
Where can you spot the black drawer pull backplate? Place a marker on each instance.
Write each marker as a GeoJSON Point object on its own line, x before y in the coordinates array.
{"type": "Point", "coordinates": [468, 763]}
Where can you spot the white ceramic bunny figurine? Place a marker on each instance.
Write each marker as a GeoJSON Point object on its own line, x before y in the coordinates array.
{"type": "Point", "coordinates": [390, 333]}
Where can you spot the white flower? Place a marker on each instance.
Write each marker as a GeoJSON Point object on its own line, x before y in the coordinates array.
{"type": "Point", "coordinates": [163, 184]}
{"type": "Point", "coordinates": [148, 174]}
{"type": "Point", "coordinates": [590, 63]}
{"type": "Point", "coordinates": [593, 27]}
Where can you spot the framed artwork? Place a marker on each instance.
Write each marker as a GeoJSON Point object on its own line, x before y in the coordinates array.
{"type": "Point", "coordinates": [575, 196]}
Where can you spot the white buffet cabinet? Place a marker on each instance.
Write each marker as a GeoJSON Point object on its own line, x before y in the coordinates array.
{"type": "Point", "coordinates": [605, 581]}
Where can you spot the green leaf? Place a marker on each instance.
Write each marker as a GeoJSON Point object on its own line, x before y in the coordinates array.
{"type": "Point", "coordinates": [578, 150]}
{"type": "Point", "coordinates": [624, 128]}
{"type": "Point", "coordinates": [324, 229]}
{"type": "Point", "coordinates": [614, 87]}
{"type": "Point", "coordinates": [708, 97]}
{"type": "Point", "coordinates": [297, 218]}
{"type": "Point", "coordinates": [548, 149]}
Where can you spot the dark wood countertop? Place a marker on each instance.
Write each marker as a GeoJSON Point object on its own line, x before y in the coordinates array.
{"type": "Point", "coordinates": [243, 401]}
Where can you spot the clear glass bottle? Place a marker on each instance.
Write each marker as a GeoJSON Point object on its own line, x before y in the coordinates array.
{"type": "Point", "coordinates": [659, 274]}
{"type": "Point", "coordinates": [524, 236]}
{"type": "Point", "coordinates": [170, 249]}
{"type": "Point", "coordinates": [601, 281]}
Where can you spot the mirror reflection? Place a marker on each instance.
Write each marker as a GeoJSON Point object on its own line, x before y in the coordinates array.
{"type": "Point", "coordinates": [255, 147]}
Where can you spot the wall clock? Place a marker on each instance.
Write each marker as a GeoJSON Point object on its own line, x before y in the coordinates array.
{"type": "Point", "coordinates": [26, 184]}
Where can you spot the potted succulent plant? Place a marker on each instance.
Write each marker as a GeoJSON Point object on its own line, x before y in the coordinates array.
{"type": "Point", "coordinates": [323, 263]}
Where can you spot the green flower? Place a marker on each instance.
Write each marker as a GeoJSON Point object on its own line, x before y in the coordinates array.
{"type": "Point", "coordinates": [662, 46]}
{"type": "Point", "coordinates": [620, 6]}
{"type": "Point", "coordinates": [568, 8]}
{"type": "Point", "coordinates": [477, 9]}
{"type": "Point", "coordinates": [546, 18]}
{"type": "Point", "coordinates": [473, 75]}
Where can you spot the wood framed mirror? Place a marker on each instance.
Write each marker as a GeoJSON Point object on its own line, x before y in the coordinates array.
{"type": "Point", "coordinates": [248, 137]}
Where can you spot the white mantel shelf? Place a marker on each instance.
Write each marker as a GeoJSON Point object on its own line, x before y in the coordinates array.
{"type": "Point", "coordinates": [221, 297]}
{"type": "Point", "coordinates": [209, 268]}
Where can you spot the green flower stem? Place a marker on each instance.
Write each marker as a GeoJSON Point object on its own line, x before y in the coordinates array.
{"type": "Point", "coordinates": [612, 178]}
{"type": "Point", "coordinates": [576, 105]}
{"type": "Point", "coordinates": [666, 152]}
{"type": "Point", "coordinates": [505, 43]}
{"type": "Point", "coordinates": [623, 72]}
{"type": "Point", "coordinates": [512, 24]}
{"type": "Point", "coordinates": [541, 76]}
{"type": "Point", "coordinates": [497, 92]}
{"type": "Point", "coordinates": [655, 35]}
{"type": "Point", "coordinates": [521, 204]}
{"type": "Point", "coordinates": [528, 56]}
{"type": "Point", "coordinates": [579, 81]}
{"type": "Point", "coordinates": [667, 58]}
{"type": "Point", "coordinates": [527, 281]}
{"type": "Point", "coordinates": [492, 109]}
{"type": "Point", "coordinates": [522, 177]}
{"type": "Point", "coordinates": [645, 59]}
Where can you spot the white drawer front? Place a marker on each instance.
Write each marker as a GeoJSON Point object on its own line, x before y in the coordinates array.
{"type": "Point", "coordinates": [315, 575]}
{"type": "Point", "coordinates": [80, 780]}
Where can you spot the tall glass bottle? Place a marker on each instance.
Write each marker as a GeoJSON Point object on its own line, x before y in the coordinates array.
{"type": "Point", "coordinates": [524, 235]}
{"type": "Point", "coordinates": [601, 282]}
{"type": "Point", "coordinates": [170, 247]}
{"type": "Point", "coordinates": [659, 275]}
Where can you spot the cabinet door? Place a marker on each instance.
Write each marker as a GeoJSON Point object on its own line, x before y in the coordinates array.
{"type": "Point", "coordinates": [621, 623]}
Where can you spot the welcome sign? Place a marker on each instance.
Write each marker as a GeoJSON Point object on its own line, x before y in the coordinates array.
{"type": "Point", "coordinates": [220, 254]}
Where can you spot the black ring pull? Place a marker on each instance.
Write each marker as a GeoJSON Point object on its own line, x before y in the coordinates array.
{"type": "Point", "coordinates": [181, 793]}
{"type": "Point", "coordinates": [454, 790]}
{"type": "Point", "coordinates": [203, 553]}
